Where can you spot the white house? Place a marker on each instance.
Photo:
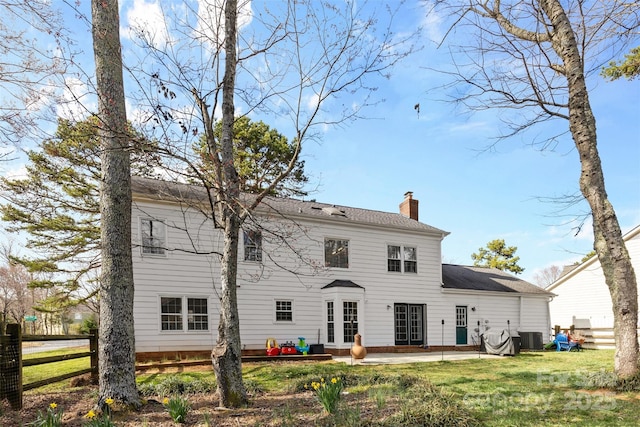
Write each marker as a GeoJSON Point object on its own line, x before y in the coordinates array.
{"type": "Point", "coordinates": [314, 270]}
{"type": "Point", "coordinates": [583, 299]}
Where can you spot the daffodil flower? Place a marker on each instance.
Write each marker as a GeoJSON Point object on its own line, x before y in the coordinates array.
{"type": "Point", "coordinates": [334, 380]}
{"type": "Point", "coordinates": [53, 405]}
{"type": "Point", "coordinates": [165, 401]}
{"type": "Point", "coordinates": [108, 401]}
{"type": "Point", "coordinates": [91, 415]}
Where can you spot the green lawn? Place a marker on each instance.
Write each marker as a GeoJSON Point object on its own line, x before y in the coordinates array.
{"type": "Point", "coordinates": [532, 389]}
{"type": "Point", "coordinates": [32, 374]}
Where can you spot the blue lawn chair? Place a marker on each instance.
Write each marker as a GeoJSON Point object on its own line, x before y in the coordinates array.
{"type": "Point", "coordinates": [562, 343]}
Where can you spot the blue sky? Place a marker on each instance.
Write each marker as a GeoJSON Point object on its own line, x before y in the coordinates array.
{"type": "Point", "coordinates": [440, 155]}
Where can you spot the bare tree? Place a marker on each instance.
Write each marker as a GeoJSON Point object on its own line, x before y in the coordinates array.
{"type": "Point", "coordinates": [16, 298]}
{"type": "Point", "coordinates": [117, 379]}
{"type": "Point", "coordinates": [296, 61]}
{"type": "Point", "coordinates": [547, 276]}
{"type": "Point", "coordinates": [32, 44]}
{"type": "Point", "coordinates": [533, 58]}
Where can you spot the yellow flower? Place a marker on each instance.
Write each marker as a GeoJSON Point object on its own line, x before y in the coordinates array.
{"type": "Point", "coordinates": [321, 380]}
{"type": "Point", "coordinates": [165, 401]}
{"type": "Point", "coordinates": [91, 415]}
{"type": "Point", "coordinates": [108, 401]}
{"type": "Point", "coordinates": [334, 380]}
{"type": "Point", "coordinates": [315, 385]}
{"type": "Point", "coordinates": [53, 405]}
{"type": "Point", "coordinates": [306, 386]}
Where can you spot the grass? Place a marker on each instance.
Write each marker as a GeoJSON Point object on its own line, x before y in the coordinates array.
{"type": "Point", "coordinates": [32, 374]}
{"type": "Point", "coordinates": [531, 389]}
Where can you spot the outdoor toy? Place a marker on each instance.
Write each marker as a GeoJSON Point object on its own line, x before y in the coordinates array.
{"type": "Point", "coordinates": [302, 347]}
{"type": "Point", "coordinates": [272, 347]}
{"type": "Point", "coordinates": [288, 348]}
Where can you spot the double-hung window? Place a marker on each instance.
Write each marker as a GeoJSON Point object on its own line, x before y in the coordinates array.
{"type": "Point", "coordinates": [410, 260]}
{"type": "Point", "coordinates": [154, 237]}
{"type": "Point", "coordinates": [402, 259]}
{"type": "Point", "coordinates": [184, 314]}
{"type": "Point", "coordinates": [284, 311]}
{"type": "Point", "coordinates": [336, 253]}
{"type": "Point", "coordinates": [253, 245]}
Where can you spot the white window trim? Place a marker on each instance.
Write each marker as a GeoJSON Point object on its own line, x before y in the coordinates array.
{"type": "Point", "coordinates": [293, 312]}
{"type": "Point", "coordinates": [326, 323]}
{"type": "Point", "coordinates": [402, 258]}
{"type": "Point", "coordinates": [324, 254]}
{"type": "Point", "coordinates": [141, 237]}
{"type": "Point", "coordinates": [185, 314]}
{"type": "Point", "coordinates": [358, 321]}
{"type": "Point", "coordinates": [244, 248]}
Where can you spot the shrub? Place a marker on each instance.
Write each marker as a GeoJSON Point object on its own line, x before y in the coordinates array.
{"type": "Point", "coordinates": [175, 384]}
{"type": "Point", "coordinates": [88, 324]}
{"type": "Point", "coordinates": [628, 384]}
{"type": "Point", "coordinates": [427, 405]}
{"type": "Point", "coordinates": [177, 408]}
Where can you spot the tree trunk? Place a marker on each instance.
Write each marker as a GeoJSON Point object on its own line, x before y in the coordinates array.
{"type": "Point", "coordinates": [116, 347]}
{"type": "Point", "coordinates": [226, 356]}
{"type": "Point", "coordinates": [608, 243]}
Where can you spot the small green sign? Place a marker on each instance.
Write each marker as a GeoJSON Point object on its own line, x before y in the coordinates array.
{"type": "Point", "coordinates": [30, 318]}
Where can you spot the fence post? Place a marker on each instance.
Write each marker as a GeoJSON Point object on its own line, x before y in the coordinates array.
{"type": "Point", "coordinates": [3, 348]}
{"type": "Point", "coordinates": [93, 348]}
{"type": "Point", "coordinates": [12, 362]}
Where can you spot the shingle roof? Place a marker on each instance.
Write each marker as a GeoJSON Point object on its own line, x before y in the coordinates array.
{"type": "Point", "coordinates": [342, 284]}
{"type": "Point", "coordinates": [281, 206]}
{"type": "Point", "coordinates": [485, 279]}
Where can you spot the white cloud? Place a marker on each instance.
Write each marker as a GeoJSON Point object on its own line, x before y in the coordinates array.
{"type": "Point", "coordinates": [210, 28]}
{"type": "Point", "coordinates": [432, 22]}
{"type": "Point", "coordinates": [17, 172]}
{"type": "Point", "coordinates": [147, 18]}
{"type": "Point", "coordinates": [74, 104]}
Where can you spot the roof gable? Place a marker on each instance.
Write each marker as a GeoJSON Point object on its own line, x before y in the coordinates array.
{"type": "Point", "coordinates": [634, 233]}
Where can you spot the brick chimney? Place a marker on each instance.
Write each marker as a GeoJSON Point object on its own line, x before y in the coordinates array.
{"type": "Point", "coordinates": [409, 206]}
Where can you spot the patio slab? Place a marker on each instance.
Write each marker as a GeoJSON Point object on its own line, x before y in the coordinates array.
{"type": "Point", "coordinates": [397, 358]}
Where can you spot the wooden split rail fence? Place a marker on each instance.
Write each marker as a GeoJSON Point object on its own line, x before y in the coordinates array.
{"type": "Point", "coordinates": [11, 362]}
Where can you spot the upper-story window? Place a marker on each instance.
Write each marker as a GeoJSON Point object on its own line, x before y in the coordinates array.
{"type": "Point", "coordinates": [253, 245]}
{"type": "Point", "coordinates": [154, 236]}
{"type": "Point", "coordinates": [402, 259]}
{"type": "Point", "coordinates": [336, 253]}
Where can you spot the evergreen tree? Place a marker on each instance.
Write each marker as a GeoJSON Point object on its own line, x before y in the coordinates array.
{"type": "Point", "coordinates": [260, 154]}
{"type": "Point", "coordinates": [57, 205]}
{"type": "Point", "coordinates": [498, 255]}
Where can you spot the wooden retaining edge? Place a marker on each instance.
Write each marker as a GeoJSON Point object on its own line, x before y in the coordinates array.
{"type": "Point", "coordinates": [204, 362]}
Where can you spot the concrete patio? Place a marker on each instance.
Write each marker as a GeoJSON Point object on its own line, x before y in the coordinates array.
{"type": "Point", "coordinates": [397, 358]}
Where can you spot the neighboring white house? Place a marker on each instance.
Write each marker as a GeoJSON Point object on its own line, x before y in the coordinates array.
{"type": "Point", "coordinates": [583, 299]}
{"type": "Point", "coordinates": [314, 270]}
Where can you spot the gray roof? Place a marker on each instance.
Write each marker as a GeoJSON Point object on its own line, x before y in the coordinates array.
{"type": "Point", "coordinates": [485, 279]}
{"type": "Point", "coordinates": [342, 284]}
{"type": "Point", "coordinates": [281, 206]}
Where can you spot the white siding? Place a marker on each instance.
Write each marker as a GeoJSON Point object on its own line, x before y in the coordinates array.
{"type": "Point", "coordinates": [190, 268]}
{"type": "Point", "coordinates": [583, 298]}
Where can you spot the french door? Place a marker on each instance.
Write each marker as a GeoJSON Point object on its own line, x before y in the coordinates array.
{"type": "Point", "coordinates": [409, 324]}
